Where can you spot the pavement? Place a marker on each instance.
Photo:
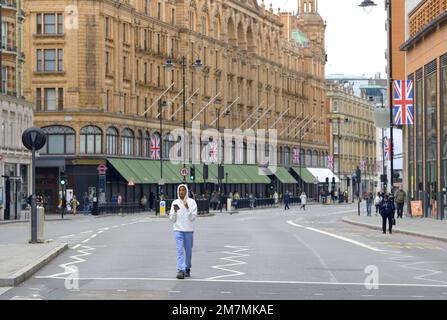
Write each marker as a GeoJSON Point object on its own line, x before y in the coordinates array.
{"type": "Point", "coordinates": [20, 261]}
{"type": "Point", "coordinates": [421, 227]}
{"type": "Point", "coordinates": [265, 254]}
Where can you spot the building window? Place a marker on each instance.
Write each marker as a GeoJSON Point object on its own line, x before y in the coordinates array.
{"type": "Point", "coordinates": [146, 7]}
{"type": "Point", "coordinates": [145, 73]}
{"type": "Point", "coordinates": [147, 143]}
{"type": "Point", "coordinates": [50, 99]}
{"type": "Point", "coordinates": [419, 141]}
{"type": "Point", "coordinates": [127, 141]}
{"type": "Point", "coordinates": [107, 27]}
{"type": "Point", "coordinates": [112, 140]}
{"type": "Point", "coordinates": [39, 24]}
{"type": "Point", "coordinates": [124, 67]}
{"type": "Point", "coordinates": [91, 140]}
{"type": "Point", "coordinates": [38, 99]}
{"type": "Point", "coordinates": [444, 126]}
{"type": "Point", "coordinates": [139, 145]}
{"type": "Point", "coordinates": [173, 16]}
{"type": "Point", "coordinates": [60, 99]}
{"type": "Point", "coordinates": [4, 84]}
{"type": "Point", "coordinates": [4, 35]}
{"type": "Point", "coordinates": [107, 100]}
{"type": "Point", "coordinates": [59, 23]}
{"type": "Point", "coordinates": [431, 129]}
{"type": "Point", "coordinates": [60, 61]}
{"type": "Point", "coordinates": [60, 140]}
{"type": "Point", "coordinates": [159, 11]}
{"type": "Point", "coordinates": [124, 33]}
{"type": "Point", "coordinates": [51, 58]}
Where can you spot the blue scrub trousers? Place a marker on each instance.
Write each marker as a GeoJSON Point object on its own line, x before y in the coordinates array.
{"type": "Point", "coordinates": [184, 243]}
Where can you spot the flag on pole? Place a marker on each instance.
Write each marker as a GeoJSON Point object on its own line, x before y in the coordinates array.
{"type": "Point", "coordinates": [403, 102]}
{"type": "Point", "coordinates": [387, 146]}
{"type": "Point", "coordinates": [296, 155]}
{"type": "Point", "coordinates": [155, 147]}
{"type": "Point", "coordinates": [213, 152]}
{"type": "Point", "coordinates": [330, 162]}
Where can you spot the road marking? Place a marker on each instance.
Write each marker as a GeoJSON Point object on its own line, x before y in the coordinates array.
{"type": "Point", "coordinates": [69, 236]}
{"type": "Point", "coordinates": [86, 240]}
{"type": "Point", "coordinates": [336, 236]}
{"type": "Point", "coordinates": [318, 294]}
{"type": "Point", "coordinates": [94, 236]}
{"type": "Point", "coordinates": [90, 231]}
{"type": "Point", "coordinates": [76, 246]}
{"type": "Point", "coordinates": [225, 292]}
{"type": "Point", "coordinates": [121, 290]}
{"type": "Point", "coordinates": [417, 296]}
{"type": "Point", "coordinates": [340, 212]}
{"type": "Point", "coordinates": [233, 254]}
{"type": "Point", "coordinates": [4, 290]}
{"type": "Point", "coordinates": [174, 291]}
{"type": "Point", "coordinates": [368, 295]}
{"type": "Point", "coordinates": [360, 284]}
{"type": "Point", "coordinates": [99, 232]}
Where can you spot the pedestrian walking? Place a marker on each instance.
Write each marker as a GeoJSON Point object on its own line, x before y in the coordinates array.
{"type": "Point", "coordinates": [303, 198]}
{"type": "Point", "coordinates": [387, 212]}
{"type": "Point", "coordinates": [74, 205]}
{"type": "Point", "coordinates": [400, 202]}
{"type": "Point", "coordinates": [214, 200]}
{"type": "Point", "coordinates": [236, 199]}
{"type": "Point", "coordinates": [143, 202]}
{"type": "Point", "coordinates": [276, 197]}
{"type": "Point", "coordinates": [286, 200]}
{"type": "Point", "coordinates": [151, 200]}
{"type": "Point", "coordinates": [86, 203]}
{"type": "Point", "coordinates": [183, 214]}
{"type": "Point", "coordinates": [369, 201]}
{"type": "Point", "coordinates": [377, 201]}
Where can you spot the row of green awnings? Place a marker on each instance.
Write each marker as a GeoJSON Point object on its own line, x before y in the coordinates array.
{"type": "Point", "coordinates": [148, 172]}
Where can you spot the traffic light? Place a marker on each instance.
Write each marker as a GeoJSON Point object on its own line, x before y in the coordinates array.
{"type": "Point", "coordinates": [64, 179]}
{"type": "Point", "coordinates": [221, 172]}
{"type": "Point", "coordinates": [205, 172]}
{"type": "Point", "coordinates": [333, 183]}
{"type": "Point", "coordinates": [192, 175]}
{"type": "Point", "coordinates": [327, 181]}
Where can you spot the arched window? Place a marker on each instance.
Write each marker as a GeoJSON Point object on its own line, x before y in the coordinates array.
{"type": "Point", "coordinates": [127, 140]}
{"type": "Point", "coordinates": [281, 156]}
{"type": "Point", "coordinates": [147, 144]}
{"type": "Point", "coordinates": [60, 140]}
{"type": "Point", "coordinates": [308, 159]}
{"type": "Point", "coordinates": [167, 144]}
{"type": "Point", "coordinates": [139, 145]}
{"type": "Point", "coordinates": [315, 159]}
{"type": "Point", "coordinates": [91, 140]}
{"type": "Point", "coordinates": [112, 140]}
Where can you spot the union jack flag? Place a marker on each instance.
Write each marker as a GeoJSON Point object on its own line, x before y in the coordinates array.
{"type": "Point", "coordinates": [296, 155]}
{"type": "Point", "coordinates": [330, 162]}
{"type": "Point", "coordinates": [213, 152]}
{"type": "Point", "coordinates": [155, 147]}
{"type": "Point", "coordinates": [387, 146]}
{"type": "Point", "coordinates": [403, 102]}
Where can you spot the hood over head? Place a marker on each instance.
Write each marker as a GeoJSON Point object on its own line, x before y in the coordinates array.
{"type": "Point", "coordinates": [187, 191]}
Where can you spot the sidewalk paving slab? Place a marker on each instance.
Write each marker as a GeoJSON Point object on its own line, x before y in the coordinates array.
{"type": "Point", "coordinates": [421, 227]}
{"type": "Point", "coordinates": [18, 262]}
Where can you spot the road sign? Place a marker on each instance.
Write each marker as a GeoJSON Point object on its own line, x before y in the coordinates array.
{"type": "Point", "coordinates": [102, 168]}
{"type": "Point", "coordinates": [131, 183]}
{"type": "Point", "coordinates": [184, 172]}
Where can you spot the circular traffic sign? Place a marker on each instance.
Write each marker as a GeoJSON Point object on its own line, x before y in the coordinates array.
{"type": "Point", "coordinates": [184, 172]}
{"type": "Point", "coordinates": [102, 168]}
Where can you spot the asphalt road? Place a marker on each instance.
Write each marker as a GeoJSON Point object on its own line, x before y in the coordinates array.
{"type": "Point", "coordinates": [263, 255]}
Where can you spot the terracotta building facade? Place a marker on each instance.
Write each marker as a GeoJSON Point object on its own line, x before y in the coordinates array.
{"type": "Point", "coordinates": [96, 70]}
{"type": "Point", "coordinates": [426, 141]}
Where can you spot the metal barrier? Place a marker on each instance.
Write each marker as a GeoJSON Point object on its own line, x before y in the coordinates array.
{"type": "Point", "coordinates": [114, 208]}
{"type": "Point", "coordinates": [245, 203]}
{"type": "Point", "coordinates": [203, 206]}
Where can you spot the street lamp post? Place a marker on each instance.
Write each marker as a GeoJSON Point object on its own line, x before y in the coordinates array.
{"type": "Point", "coordinates": [367, 5]}
{"type": "Point", "coordinates": [169, 66]}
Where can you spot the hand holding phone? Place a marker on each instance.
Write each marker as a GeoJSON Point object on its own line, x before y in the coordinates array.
{"type": "Point", "coordinates": [176, 208]}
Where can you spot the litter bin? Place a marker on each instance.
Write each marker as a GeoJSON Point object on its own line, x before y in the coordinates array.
{"type": "Point", "coordinates": [95, 208]}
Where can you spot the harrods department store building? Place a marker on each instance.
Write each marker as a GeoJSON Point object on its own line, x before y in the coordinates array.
{"type": "Point", "coordinates": [95, 71]}
{"type": "Point", "coordinates": [426, 141]}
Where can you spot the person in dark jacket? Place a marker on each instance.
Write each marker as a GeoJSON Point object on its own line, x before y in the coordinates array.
{"type": "Point", "coordinates": [286, 200]}
{"type": "Point", "coordinates": [151, 200]}
{"type": "Point", "coordinates": [387, 210]}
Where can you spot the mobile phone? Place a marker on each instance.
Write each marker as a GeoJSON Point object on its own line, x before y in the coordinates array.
{"type": "Point", "coordinates": [176, 206]}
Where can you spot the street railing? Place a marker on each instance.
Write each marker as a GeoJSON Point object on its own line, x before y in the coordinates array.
{"type": "Point", "coordinates": [114, 208]}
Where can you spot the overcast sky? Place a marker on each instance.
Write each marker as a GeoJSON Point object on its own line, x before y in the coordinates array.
{"type": "Point", "coordinates": [355, 41]}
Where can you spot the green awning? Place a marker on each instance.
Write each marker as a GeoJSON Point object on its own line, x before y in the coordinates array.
{"type": "Point", "coordinates": [283, 175]}
{"type": "Point", "coordinates": [252, 172]}
{"type": "Point", "coordinates": [236, 174]}
{"type": "Point", "coordinates": [305, 174]}
{"type": "Point", "coordinates": [121, 165]}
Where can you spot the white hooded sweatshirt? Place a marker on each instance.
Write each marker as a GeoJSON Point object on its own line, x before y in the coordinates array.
{"type": "Point", "coordinates": [183, 219]}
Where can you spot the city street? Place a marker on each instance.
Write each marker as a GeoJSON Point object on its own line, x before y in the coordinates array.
{"type": "Point", "coordinates": [263, 254]}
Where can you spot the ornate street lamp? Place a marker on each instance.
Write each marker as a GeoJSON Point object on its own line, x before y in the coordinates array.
{"type": "Point", "coordinates": [169, 66]}
{"type": "Point", "coordinates": [367, 6]}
